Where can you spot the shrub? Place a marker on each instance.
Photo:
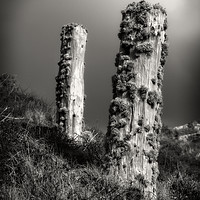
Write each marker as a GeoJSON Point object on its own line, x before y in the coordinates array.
{"type": "Point", "coordinates": [179, 186]}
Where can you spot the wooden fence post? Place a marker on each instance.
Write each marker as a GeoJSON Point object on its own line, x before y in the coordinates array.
{"type": "Point", "coordinates": [132, 140]}
{"type": "Point", "coordinates": [70, 81]}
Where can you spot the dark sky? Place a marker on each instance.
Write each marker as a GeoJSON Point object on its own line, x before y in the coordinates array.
{"type": "Point", "coordinates": [30, 43]}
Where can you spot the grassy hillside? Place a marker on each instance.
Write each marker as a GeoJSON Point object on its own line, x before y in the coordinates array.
{"type": "Point", "coordinates": [38, 162]}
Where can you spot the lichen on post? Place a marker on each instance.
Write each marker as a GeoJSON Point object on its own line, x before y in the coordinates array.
{"type": "Point", "coordinates": [132, 139]}
{"type": "Point", "coordinates": [70, 81]}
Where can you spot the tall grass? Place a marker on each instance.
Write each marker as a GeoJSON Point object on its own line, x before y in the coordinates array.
{"type": "Point", "coordinates": [38, 162]}
{"type": "Point", "coordinates": [179, 168]}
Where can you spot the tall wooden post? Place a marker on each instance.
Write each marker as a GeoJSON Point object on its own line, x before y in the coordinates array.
{"type": "Point", "coordinates": [134, 122]}
{"type": "Point", "coordinates": [70, 81]}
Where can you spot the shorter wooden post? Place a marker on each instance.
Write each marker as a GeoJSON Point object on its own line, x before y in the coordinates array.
{"type": "Point", "coordinates": [70, 81]}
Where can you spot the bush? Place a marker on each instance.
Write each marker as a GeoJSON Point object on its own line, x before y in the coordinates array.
{"type": "Point", "coordinates": [179, 186]}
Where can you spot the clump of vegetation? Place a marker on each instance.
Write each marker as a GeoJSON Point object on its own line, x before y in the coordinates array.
{"type": "Point", "coordinates": [118, 105]}
{"type": "Point", "coordinates": [164, 54]}
{"type": "Point", "coordinates": [141, 180]}
{"type": "Point", "coordinates": [143, 92]}
{"type": "Point", "coordinates": [151, 140]}
{"type": "Point", "coordinates": [153, 80]}
{"type": "Point", "coordinates": [144, 49]}
{"type": "Point", "coordinates": [152, 98]}
{"type": "Point", "coordinates": [132, 90]}
{"type": "Point", "coordinates": [159, 7]}
{"type": "Point", "coordinates": [147, 128]}
{"type": "Point", "coordinates": [151, 155]}
{"type": "Point", "coordinates": [139, 12]}
{"type": "Point", "coordinates": [165, 25]}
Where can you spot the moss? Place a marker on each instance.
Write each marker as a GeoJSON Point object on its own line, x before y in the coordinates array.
{"type": "Point", "coordinates": [155, 173]}
{"type": "Point", "coordinates": [160, 100]}
{"type": "Point", "coordinates": [166, 38]}
{"type": "Point", "coordinates": [113, 121]}
{"type": "Point", "coordinates": [131, 76]}
{"type": "Point", "coordinates": [125, 57]}
{"type": "Point", "coordinates": [123, 77]}
{"type": "Point", "coordinates": [120, 58]}
{"type": "Point", "coordinates": [64, 70]}
{"type": "Point", "coordinates": [127, 43]}
{"type": "Point", "coordinates": [117, 59]}
{"type": "Point", "coordinates": [114, 135]}
{"type": "Point", "coordinates": [138, 28]}
{"type": "Point", "coordinates": [139, 130]}
{"type": "Point", "coordinates": [147, 128]}
{"type": "Point", "coordinates": [140, 178]}
{"type": "Point", "coordinates": [120, 86]}
{"type": "Point", "coordinates": [118, 105]}
{"type": "Point", "coordinates": [125, 23]}
{"type": "Point", "coordinates": [152, 98]}
{"type": "Point", "coordinates": [143, 92]}
{"type": "Point", "coordinates": [61, 124]}
{"type": "Point", "coordinates": [159, 83]}
{"type": "Point", "coordinates": [113, 110]}
{"type": "Point", "coordinates": [120, 69]}
{"type": "Point", "coordinates": [144, 49]}
{"type": "Point", "coordinates": [137, 150]}
{"type": "Point", "coordinates": [123, 144]}
{"type": "Point", "coordinates": [164, 54]}
{"type": "Point", "coordinates": [117, 123]}
{"type": "Point", "coordinates": [125, 114]}
{"type": "Point", "coordinates": [67, 57]}
{"type": "Point", "coordinates": [159, 112]}
{"type": "Point", "coordinates": [114, 80]}
{"type": "Point", "coordinates": [157, 127]}
{"type": "Point", "coordinates": [156, 118]}
{"type": "Point", "coordinates": [160, 75]}
{"type": "Point", "coordinates": [119, 150]}
{"type": "Point", "coordinates": [122, 123]}
{"type": "Point", "coordinates": [159, 7]}
{"type": "Point", "coordinates": [127, 137]}
{"type": "Point", "coordinates": [129, 65]}
{"type": "Point", "coordinates": [123, 106]}
{"type": "Point", "coordinates": [151, 155]}
{"type": "Point", "coordinates": [134, 18]}
{"type": "Point", "coordinates": [132, 89]}
{"type": "Point", "coordinates": [141, 121]}
{"type": "Point", "coordinates": [63, 110]}
{"type": "Point", "coordinates": [142, 35]}
{"type": "Point", "coordinates": [153, 80]}
{"type": "Point", "coordinates": [151, 140]}
{"type": "Point", "coordinates": [138, 7]}
{"type": "Point", "coordinates": [141, 18]}
{"type": "Point", "coordinates": [165, 25]}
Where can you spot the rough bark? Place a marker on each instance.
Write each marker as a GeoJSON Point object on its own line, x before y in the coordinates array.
{"type": "Point", "coordinates": [132, 140]}
{"type": "Point", "coordinates": [70, 81]}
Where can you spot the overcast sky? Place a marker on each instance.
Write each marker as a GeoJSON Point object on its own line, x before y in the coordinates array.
{"type": "Point", "coordinates": [30, 44]}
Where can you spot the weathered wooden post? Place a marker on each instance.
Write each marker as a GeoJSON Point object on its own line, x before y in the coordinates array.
{"type": "Point", "coordinates": [70, 81]}
{"type": "Point", "coordinates": [134, 122]}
